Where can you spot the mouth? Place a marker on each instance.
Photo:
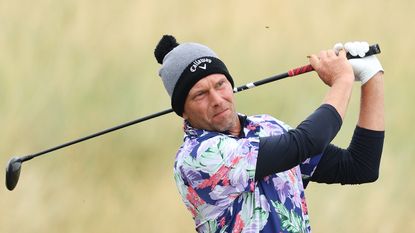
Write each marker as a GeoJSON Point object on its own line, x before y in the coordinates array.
{"type": "Point", "coordinates": [221, 113]}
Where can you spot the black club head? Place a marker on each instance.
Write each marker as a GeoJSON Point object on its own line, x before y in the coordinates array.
{"type": "Point", "coordinates": [13, 172]}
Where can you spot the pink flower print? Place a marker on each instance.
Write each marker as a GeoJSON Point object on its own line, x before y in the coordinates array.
{"type": "Point", "coordinates": [192, 211]}
{"type": "Point", "coordinates": [239, 224]}
{"type": "Point", "coordinates": [221, 174]}
{"type": "Point", "coordinates": [236, 160]}
{"type": "Point", "coordinates": [252, 126]}
{"type": "Point", "coordinates": [252, 186]}
{"type": "Point", "coordinates": [194, 198]}
{"type": "Point", "coordinates": [225, 181]}
{"type": "Point", "coordinates": [291, 175]}
{"type": "Point", "coordinates": [304, 206]}
{"type": "Point", "coordinates": [222, 222]}
{"type": "Point", "coordinates": [214, 180]}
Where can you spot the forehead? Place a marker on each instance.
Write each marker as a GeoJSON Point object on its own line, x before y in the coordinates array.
{"type": "Point", "coordinates": [208, 80]}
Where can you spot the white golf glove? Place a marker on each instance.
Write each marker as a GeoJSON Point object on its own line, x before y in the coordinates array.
{"type": "Point", "coordinates": [364, 68]}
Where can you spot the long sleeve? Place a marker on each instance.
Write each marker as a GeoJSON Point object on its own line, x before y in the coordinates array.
{"type": "Point", "coordinates": [282, 152]}
{"type": "Point", "coordinates": [357, 164]}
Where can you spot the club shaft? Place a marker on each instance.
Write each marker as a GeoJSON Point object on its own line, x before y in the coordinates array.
{"type": "Point", "coordinates": [145, 118]}
{"type": "Point", "coordinates": [373, 49]}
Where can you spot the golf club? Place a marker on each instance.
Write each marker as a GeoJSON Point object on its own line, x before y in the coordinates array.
{"type": "Point", "coordinates": [14, 165]}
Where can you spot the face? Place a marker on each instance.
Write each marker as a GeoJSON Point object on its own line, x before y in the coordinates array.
{"type": "Point", "coordinates": [210, 105]}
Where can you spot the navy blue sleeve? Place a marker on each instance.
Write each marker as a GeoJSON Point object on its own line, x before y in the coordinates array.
{"type": "Point", "coordinates": [357, 164]}
{"type": "Point", "coordinates": [282, 152]}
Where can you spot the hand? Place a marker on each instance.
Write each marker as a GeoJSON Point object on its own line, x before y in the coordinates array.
{"type": "Point", "coordinates": [332, 68]}
{"type": "Point", "coordinates": [364, 68]}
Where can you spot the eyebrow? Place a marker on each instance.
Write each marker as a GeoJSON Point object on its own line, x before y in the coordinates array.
{"type": "Point", "coordinates": [197, 90]}
{"type": "Point", "coordinates": [194, 93]}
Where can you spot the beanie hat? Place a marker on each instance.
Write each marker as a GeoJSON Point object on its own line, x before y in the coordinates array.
{"type": "Point", "coordinates": [183, 65]}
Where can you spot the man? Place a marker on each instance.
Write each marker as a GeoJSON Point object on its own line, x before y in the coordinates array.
{"type": "Point", "coordinates": [248, 174]}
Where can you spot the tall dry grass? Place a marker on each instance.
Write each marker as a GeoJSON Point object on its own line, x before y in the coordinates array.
{"type": "Point", "coordinates": [70, 68]}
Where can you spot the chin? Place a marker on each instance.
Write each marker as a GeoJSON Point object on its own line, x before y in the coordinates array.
{"type": "Point", "coordinates": [225, 123]}
{"type": "Point", "coordinates": [224, 126]}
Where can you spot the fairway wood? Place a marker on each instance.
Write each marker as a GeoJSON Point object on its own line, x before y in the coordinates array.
{"type": "Point", "coordinates": [13, 172]}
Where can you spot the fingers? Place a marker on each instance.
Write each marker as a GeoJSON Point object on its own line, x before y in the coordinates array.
{"type": "Point", "coordinates": [327, 54]}
{"type": "Point", "coordinates": [331, 53]}
{"type": "Point", "coordinates": [314, 61]}
{"type": "Point", "coordinates": [332, 67]}
{"type": "Point", "coordinates": [323, 55]}
{"type": "Point", "coordinates": [337, 47]}
{"type": "Point", "coordinates": [342, 53]}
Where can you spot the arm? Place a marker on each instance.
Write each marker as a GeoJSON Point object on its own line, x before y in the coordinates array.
{"type": "Point", "coordinates": [372, 104]}
{"type": "Point", "coordinates": [360, 162]}
{"type": "Point", "coordinates": [357, 164]}
{"type": "Point", "coordinates": [282, 152]}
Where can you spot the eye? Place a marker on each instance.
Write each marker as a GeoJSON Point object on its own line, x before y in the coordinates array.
{"type": "Point", "coordinates": [220, 83]}
{"type": "Point", "coordinates": [199, 95]}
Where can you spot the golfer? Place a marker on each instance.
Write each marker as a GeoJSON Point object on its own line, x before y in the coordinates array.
{"type": "Point", "coordinates": [239, 173]}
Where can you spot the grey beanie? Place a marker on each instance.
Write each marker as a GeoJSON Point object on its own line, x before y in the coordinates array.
{"type": "Point", "coordinates": [183, 65]}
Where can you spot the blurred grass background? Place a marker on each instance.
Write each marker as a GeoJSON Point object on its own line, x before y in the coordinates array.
{"type": "Point", "coordinates": [71, 68]}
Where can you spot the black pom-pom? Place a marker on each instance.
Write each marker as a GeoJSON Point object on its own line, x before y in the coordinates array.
{"type": "Point", "coordinates": [165, 45]}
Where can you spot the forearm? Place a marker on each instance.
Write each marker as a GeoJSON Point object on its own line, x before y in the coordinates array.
{"type": "Point", "coordinates": [339, 95]}
{"type": "Point", "coordinates": [372, 104]}
{"type": "Point", "coordinates": [336, 72]}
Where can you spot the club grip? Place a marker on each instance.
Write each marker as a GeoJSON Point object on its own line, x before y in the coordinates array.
{"type": "Point", "coordinates": [373, 49]}
{"type": "Point", "coordinates": [300, 70]}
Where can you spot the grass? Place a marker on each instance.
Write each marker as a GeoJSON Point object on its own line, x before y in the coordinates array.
{"type": "Point", "coordinates": [70, 68]}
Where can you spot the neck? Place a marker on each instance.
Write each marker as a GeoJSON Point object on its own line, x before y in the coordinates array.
{"type": "Point", "coordinates": [235, 130]}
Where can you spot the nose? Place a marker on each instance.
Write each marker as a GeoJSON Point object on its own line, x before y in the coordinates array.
{"type": "Point", "coordinates": [215, 98]}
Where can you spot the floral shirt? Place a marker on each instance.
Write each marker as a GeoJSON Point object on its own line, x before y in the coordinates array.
{"type": "Point", "coordinates": [215, 175]}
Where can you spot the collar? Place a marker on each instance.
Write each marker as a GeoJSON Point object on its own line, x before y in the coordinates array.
{"type": "Point", "coordinates": [194, 132]}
